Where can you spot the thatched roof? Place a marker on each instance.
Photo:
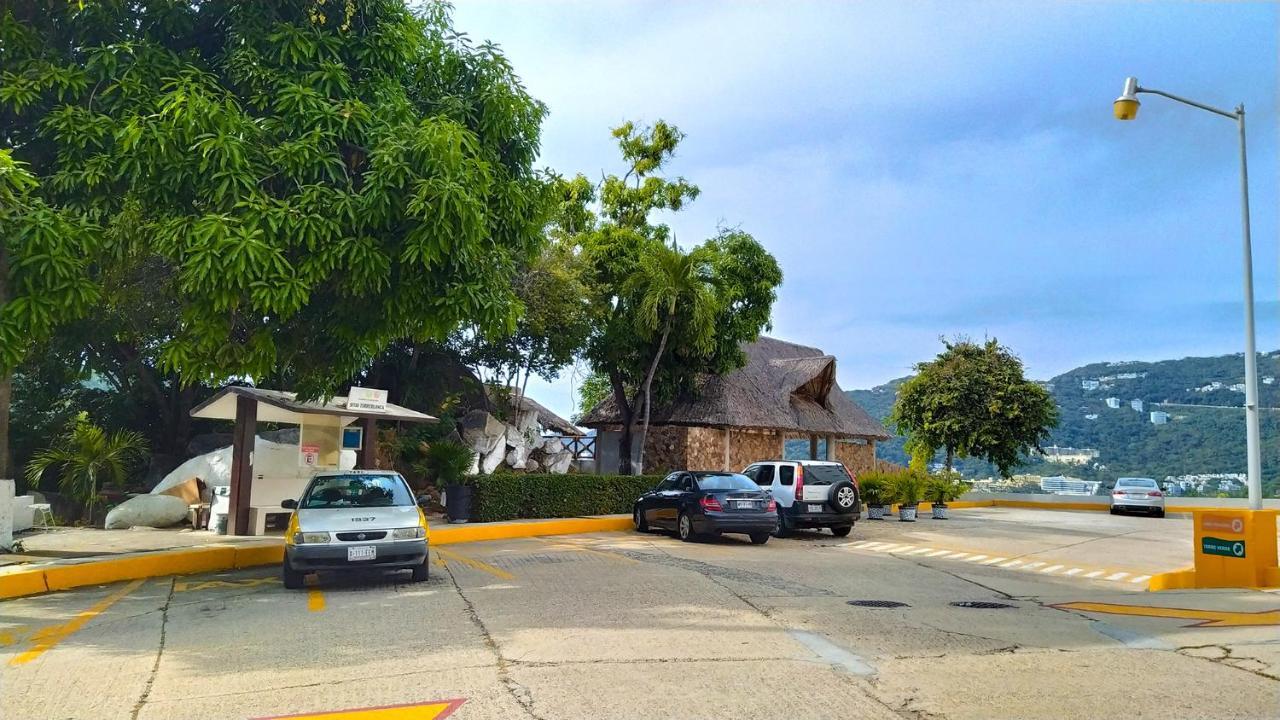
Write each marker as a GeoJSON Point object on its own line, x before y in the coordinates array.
{"type": "Point", "coordinates": [783, 386]}
{"type": "Point", "coordinates": [548, 419]}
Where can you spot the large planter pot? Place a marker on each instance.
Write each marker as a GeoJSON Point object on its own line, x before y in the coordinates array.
{"type": "Point", "coordinates": [458, 503]}
{"type": "Point", "coordinates": [939, 511]}
{"type": "Point", "coordinates": [907, 513]}
{"type": "Point", "coordinates": [875, 512]}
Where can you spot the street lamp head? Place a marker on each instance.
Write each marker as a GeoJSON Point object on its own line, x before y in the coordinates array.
{"type": "Point", "coordinates": [1126, 106]}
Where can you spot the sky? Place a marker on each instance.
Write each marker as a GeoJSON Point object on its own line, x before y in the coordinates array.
{"type": "Point", "coordinates": [926, 169]}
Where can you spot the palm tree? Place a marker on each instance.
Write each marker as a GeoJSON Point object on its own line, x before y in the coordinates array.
{"type": "Point", "coordinates": [87, 456]}
{"type": "Point", "coordinates": [668, 284]}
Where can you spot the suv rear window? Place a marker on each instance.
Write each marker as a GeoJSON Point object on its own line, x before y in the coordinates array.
{"type": "Point", "coordinates": [728, 481]}
{"type": "Point", "coordinates": [824, 474]}
{"type": "Point", "coordinates": [355, 491]}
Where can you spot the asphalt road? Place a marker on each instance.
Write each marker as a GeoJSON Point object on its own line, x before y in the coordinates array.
{"type": "Point", "coordinates": [622, 625]}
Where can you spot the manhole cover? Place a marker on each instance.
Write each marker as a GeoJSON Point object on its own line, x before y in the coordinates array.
{"type": "Point", "coordinates": [982, 604]}
{"type": "Point", "coordinates": [877, 603]}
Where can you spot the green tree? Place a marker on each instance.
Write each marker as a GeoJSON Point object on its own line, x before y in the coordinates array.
{"type": "Point", "coordinates": [86, 457]}
{"type": "Point", "coordinates": [319, 178]}
{"type": "Point", "coordinates": [973, 401]}
{"type": "Point", "coordinates": [650, 302]}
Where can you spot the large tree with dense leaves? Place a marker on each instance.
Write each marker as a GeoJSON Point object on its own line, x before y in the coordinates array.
{"type": "Point", "coordinates": [308, 180]}
{"type": "Point", "coordinates": [663, 317]}
{"type": "Point", "coordinates": [973, 400]}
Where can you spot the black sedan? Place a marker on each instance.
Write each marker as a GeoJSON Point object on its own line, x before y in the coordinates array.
{"type": "Point", "coordinates": [695, 504]}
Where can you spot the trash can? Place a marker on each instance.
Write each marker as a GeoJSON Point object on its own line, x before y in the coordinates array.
{"type": "Point", "coordinates": [220, 508]}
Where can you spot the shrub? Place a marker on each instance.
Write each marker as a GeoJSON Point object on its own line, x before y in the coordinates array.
{"type": "Point", "coordinates": [944, 487]}
{"type": "Point", "coordinates": [446, 463]}
{"type": "Point", "coordinates": [509, 496]}
{"type": "Point", "coordinates": [906, 487]}
{"type": "Point", "coordinates": [874, 487]}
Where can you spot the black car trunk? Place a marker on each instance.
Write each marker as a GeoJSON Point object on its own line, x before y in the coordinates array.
{"type": "Point", "coordinates": [740, 501]}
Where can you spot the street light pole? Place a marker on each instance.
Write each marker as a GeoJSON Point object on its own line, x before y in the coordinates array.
{"type": "Point", "coordinates": [1126, 108]}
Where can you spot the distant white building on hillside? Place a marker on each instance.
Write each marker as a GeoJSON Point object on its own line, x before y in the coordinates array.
{"type": "Point", "coordinates": [1091, 416]}
{"type": "Point", "coordinates": [1238, 387]}
{"type": "Point", "coordinates": [1070, 455]}
{"type": "Point", "coordinates": [1113, 402]}
{"type": "Point", "coordinates": [1136, 404]}
{"type": "Point", "coordinates": [1090, 384]}
{"type": "Point", "coordinates": [1268, 380]}
{"type": "Point", "coordinates": [1159, 417]}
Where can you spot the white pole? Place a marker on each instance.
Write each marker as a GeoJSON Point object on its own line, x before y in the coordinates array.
{"type": "Point", "coordinates": [1250, 352]}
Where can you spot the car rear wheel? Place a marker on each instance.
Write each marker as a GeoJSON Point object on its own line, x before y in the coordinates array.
{"type": "Point", "coordinates": [759, 538]}
{"type": "Point", "coordinates": [292, 578]}
{"type": "Point", "coordinates": [1160, 513]}
{"type": "Point", "coordinates": [684, 527]}
{"type": "Point", "coordinates": [841, 530]}
{"type": "Point", "coordinates": [1115, 511]}
{"type": "Point", "coordinates": [637, 517]}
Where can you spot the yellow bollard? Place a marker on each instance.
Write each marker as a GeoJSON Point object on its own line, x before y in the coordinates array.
{"type": "Point", "coordinates": [1234, 548]}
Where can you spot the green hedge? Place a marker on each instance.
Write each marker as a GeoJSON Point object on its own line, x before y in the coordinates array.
{"type": "Point", "coordinates": [510, 497]}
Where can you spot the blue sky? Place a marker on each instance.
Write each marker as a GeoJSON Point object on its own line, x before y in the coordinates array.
{"type": "Point", "coordinates": [923, 169]}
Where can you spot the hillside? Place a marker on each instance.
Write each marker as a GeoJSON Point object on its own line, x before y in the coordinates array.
{"type": "Point", "coordinates": [1205, 432]}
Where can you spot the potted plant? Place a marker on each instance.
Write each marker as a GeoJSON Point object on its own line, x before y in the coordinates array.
{"type": "Point", "coordinates": [908, 490]}
{"type": "Point", "coordinates": [874, 491]}
{"type": "Point", "coordinates": [941, 488]}
{"type": "Point", "coordinates": [446, 464]}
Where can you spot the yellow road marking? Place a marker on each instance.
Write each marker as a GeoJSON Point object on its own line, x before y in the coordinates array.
{"type": "Point", "coordinates": [1073, 571]}
{"type": "Point", "coordinates": [1140, 578]}
{"type": "Point", "coordinates": [452, 556]}
{"type": "Point", "coordinates": [1012, 564]}
{"type": "Point", "coordinates": [994, 560]}
{"type": "Point", "coordinates": [48, 637]}
{"type": "Point", "coordinates": [1118, 576]}
{"type": "Point", "coordinates": [186, 586]}
{"type": "Point", "coordinates": [1032, 566]}
{"type": "Point", "coordinates": [975, 558]}
{"type": "Point", "coordinates": [315, 600]}
{"type": "Point", "coordinates": [936, 553]}
{"type": "Point", "coordinates": [921, 551]}
{"type": "Point", "coordinates": [1051, 568]}
{"type": "Point", "coordinates": [434, 710]}
{"type": "Point", "coordinates": [1208, 618]}
{"type": "Point", "coordinates": [1095, 573]}
{"type": "Point", "coordinates": [14, 635]}
{"type": "Point", "coordinates": [590, 551]}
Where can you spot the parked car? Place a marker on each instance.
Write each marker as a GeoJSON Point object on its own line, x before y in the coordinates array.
{"type": "Point", "coordinates": [695, 504]}
{"type": "Point", "coordinates": [1134, 493]}
{"type": "Point", "coordinates": [355, 519]}
{"type": "Point", "coordinates": [810, 494]}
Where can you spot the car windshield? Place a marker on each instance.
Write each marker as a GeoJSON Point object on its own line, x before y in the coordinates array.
{"type": "Point", "coordinates": [356, 491]}
{"type": "Point", "coordinates": [728, 481]}
{"type": "Point", "coordinates": [1136, 482]}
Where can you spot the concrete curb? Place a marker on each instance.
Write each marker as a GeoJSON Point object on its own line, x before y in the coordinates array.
{"type": "Point", "coordinates": [22, 581]}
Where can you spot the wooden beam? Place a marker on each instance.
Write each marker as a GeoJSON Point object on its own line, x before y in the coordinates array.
{"type": "Point", "coordinates": [368, 459]}
{"type": "Point", "coordinates": [242, 464]}
{"type": "Point", "coordinates": [831, 447]}
{"type": "Point", "coordinates": [726, 451]}
{"type": "Point", "coordinates": [813, 447]}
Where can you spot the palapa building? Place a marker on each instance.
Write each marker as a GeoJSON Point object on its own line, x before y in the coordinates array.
{"type": "Point", "coordinates": [784, 391]}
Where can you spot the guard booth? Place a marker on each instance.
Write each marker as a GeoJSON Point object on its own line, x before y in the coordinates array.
{"type": "Point", "coordinates": [325, 430]}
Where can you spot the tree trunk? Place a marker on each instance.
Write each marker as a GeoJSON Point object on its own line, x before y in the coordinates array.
{"type": "Point", "coordinates": [628, 423]}
{"type": "Point", "coordinates": [950, 457]}
{"type": "Point", "coordinates": [6, 395]}
{"type": "Point", "coordinates": [6, 376]}
{"type": "Point", "coordinates": [648, 386]}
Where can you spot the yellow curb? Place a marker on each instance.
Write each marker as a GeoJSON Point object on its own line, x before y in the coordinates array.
{"type": "Point", "coordinates": [451, 534]}
{"type": "Point", "coordinates": [213, 558]}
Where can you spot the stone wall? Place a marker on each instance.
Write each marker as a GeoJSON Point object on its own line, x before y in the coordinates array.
{"type": "Point", "coordinates": [665, 448]}
{"type": "Point", "coordinates": [858, 458]}
{"type": "Point", "coordinates": [706, 449]}
{"type": "Point", "coordinates": [748, 447]}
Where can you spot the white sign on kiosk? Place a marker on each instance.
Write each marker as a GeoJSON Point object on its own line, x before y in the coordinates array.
{"type": "Point", "coordinates": [367, 399]}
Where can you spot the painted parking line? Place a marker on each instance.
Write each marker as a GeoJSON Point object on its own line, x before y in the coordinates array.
{"type": "Point", "coordinates": [572, 546]}
{"type": "Point", "coordinates": [1043, 567]}
{"type": "Point", "coordinates": [191, 585]}
{"type": "Point", "coordinates": [451, 556]}
{"type": "Point", "coordinates": [434, 710]}
{"type": "Point", "coordinates": [315, 600]}
{"type": "Point", "coordinates": [47, 638]}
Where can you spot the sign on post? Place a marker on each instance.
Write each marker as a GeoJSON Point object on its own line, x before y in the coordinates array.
{"type": "Point", "coordinates": [1225, 548]}
{"type": "Point", "coordinates": [370, 399]}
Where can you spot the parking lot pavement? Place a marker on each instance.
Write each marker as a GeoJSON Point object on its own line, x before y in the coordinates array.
{"type": "Point", "coordinates": [623, 625]}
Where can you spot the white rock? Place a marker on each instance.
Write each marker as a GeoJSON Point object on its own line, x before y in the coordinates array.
{"type": "Point", "coordinates": [531, 465]}
{"type": "Point", "coordinates": [559, 463]}
{"type": "Point", "coordinates": [518, 456]}
{"type": "Point", "coordinates": [527, 422]}
{"type": "Point", "coordinates": [147, 511]}
{"type": "Point", "coordinates": [493, 458]}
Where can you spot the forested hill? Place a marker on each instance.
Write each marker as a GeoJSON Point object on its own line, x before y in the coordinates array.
{"type": "Point", "coordinates": [1204, 434]}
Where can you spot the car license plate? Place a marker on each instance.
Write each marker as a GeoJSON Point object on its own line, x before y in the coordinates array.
{"type": "Point", "coordinates": [362, 552]}
{"type": "Point", "coordinates": [815, 508]}
{"type": "Point", "coordinates": [745, 504]}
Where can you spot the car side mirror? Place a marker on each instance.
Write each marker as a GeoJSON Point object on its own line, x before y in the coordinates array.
{"type": "Point", "coordinates": [289, 504]}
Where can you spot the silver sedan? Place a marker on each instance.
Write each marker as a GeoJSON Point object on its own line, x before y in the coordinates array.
{"type": "Point", "coordinates": [1137, 494]}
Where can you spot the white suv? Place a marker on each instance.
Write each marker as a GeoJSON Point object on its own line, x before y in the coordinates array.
{"type": "Point", "coordinates": [810, 494]}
